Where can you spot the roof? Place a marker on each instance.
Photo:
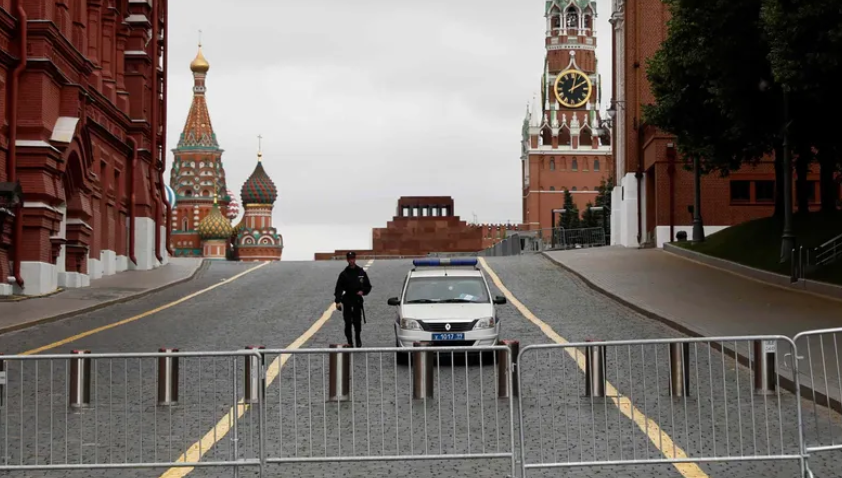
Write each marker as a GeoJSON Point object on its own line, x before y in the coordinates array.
{"type": "Point", "coordinates": [449, 271]}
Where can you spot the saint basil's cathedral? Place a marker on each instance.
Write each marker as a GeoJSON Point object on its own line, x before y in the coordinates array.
{"type": "Point", "coordinates": [204, 209]}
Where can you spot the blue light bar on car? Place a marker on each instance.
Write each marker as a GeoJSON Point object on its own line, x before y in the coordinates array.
{"type": "Point", "coordinates": [443, 262]}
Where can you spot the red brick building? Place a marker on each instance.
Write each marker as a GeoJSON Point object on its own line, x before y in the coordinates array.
{"type": "Point", "coordinates": [425, 224]}
{"type": "Point", "coordinates": [564, 146]}
{"type": "Point", "coordinates": [654, 194]}
{"type": "Point", "coordinates": [84, 103]}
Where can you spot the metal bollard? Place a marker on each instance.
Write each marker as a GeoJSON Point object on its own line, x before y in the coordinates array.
{"type": "Point", "coordinates": [253, 379]}
{"type": "Point", "coordinates": [167, 378]}
{"type": "Point", "coordinates": [80, 380]}
{"type": "Point", "coordinates": [680, 370]}
{"type": "Point", "coordinates": [765, 380]}
{"type": "Point", "coordinates": [503, 390]}
{"type": "Point", "coordinates": [340, 375]}
{"type": "Point", "coordinates": [595, 356]}
{"type": "Point", "coordinates": [422, 368]}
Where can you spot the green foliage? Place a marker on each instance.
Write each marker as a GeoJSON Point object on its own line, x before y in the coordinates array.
{"type": "Point", "coordinates": [570, 216]}
{"type": "Point", "coordinates": [590, 218]}
{"type": "Point", "coordinates": [706, 80]}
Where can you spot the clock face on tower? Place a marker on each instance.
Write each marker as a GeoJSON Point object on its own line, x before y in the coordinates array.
{"type": "Point", "coordinates": [573, 88]}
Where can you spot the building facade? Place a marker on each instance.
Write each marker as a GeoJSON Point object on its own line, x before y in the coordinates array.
{"type": "Point", "coordinates": [81, 160]}
{"type": "Point", "coordinates": [564, 146]}
{"type": "Point", "coordinates": [424, 225]}
{"type": "Point", "coordinates": [653, 198]}
{"type": "Point", "coordinates": [197, 175]}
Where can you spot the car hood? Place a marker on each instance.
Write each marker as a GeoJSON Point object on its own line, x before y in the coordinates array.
{"type": "Point", "coordinates": [446, 312]}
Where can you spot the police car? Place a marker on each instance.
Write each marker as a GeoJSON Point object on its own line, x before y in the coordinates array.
{"type": "Point", "coordinates": [446, 302]}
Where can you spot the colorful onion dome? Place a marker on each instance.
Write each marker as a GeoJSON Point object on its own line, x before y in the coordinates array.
{"type": "Point", "coordinates": [215, 225]}
{"type": "Point", "coordinates": [233, 209]}
{"type": "Point", "coordinates": [199, 64]}
{"type": "Point", "coordinates": [259, 188]}
{"type": "Point", "coordinates": [170, 195]}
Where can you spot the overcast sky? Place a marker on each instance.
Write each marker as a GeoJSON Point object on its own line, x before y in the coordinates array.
{"type": "Point", "coordinates": [361, 102]}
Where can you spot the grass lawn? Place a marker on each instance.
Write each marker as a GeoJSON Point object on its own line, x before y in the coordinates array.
{"type": "Point", "coordinates": [758, 243]}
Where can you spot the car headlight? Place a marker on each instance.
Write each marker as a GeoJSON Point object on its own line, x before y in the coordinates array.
{"type": "Point", "coordinates": [409, 324]}
{"type": "Point", "coordinates": [485, 323]}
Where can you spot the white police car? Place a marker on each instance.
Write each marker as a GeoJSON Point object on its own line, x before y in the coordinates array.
{"type": "Point", "coordinates": [446, 302]}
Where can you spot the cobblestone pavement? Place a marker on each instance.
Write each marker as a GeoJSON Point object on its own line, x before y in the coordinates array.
{"type": "Point", "coordinates": [274, 305]}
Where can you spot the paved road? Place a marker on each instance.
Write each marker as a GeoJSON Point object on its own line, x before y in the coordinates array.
{"type": "Point", "coordinates": [278, 303]}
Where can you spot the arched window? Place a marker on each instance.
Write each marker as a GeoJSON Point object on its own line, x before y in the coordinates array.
{"type": "Point", "coordinates": [552, 188]}
{"type": "Point", "coordinates": [588, 21]}
{"type": "Point", "coordinates": [547, 136]}
{"type": "Point", "coordinates": [586, 138]}
{"type": "Point", "coordinates": [585, 188]}
{"type": "Point", "coordinates": [185, 225]}
{"type": "Point", "coordinates": [564, 137]}
{"type": "Point", "coordinates": [596, 165]}
{"type": "Point", "coordinates": [574, 189]}
{"type": "Point", "coordinates": [572, 18]}
{"type": "Point", "coordinates": [575, 166]}
{"type": "Point", "coordinates": [552, 165]}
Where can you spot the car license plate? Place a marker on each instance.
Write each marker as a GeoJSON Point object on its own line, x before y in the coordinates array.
{"type": "Point", "coordinates": [448, 336]}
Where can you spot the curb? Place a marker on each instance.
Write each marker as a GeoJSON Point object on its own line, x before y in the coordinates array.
{"type": "Point", "coordinates": [787, 383]}
{"type": "Point", "coordinates": [66, 315]}
{"type": "Point", "coordinates": [826, 291]}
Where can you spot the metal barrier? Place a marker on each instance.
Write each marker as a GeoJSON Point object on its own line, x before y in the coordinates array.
{"type": "Point", "coordinates": [93, 411]}
{"type": "Point", "coordinates": [628, 403]}
{"type": "Point", "coordinates": [617, 403]}
{"type": "Point", "coordinates": [819, 365]}
{"type": "Point", "coordinates": [450, 412]}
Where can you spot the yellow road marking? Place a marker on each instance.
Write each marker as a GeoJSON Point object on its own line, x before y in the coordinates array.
{"type": "Point", "coordinates": [223, 426]}
{"type": "Point", "coordinates": [658, 437]}
{"type": "Point", "coordinates": [139, 316]}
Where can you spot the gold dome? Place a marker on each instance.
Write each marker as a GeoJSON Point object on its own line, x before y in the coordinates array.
{"type": "Point", "coordinates": [199, 64]}
{"type": "Point", "coordinates": [215, 226]}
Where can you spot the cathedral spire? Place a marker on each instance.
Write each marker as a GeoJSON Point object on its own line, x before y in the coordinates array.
{"type": "Point", "coordinates": [198, 131]}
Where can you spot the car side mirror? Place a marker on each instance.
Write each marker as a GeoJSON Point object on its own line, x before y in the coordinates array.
{"type": "Point", "coordinates": [499, 300]}
{"type": "Point", "coordinates": [394, 301]}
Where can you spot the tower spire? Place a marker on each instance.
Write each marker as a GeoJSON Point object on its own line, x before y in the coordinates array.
{"type": "Point", "coordinates": [259, 148]}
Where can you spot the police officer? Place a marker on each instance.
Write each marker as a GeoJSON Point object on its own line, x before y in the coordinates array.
{"type": "Point", "coordinates": [351, 286]}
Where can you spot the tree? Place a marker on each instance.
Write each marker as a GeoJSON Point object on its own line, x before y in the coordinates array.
{"type": "Point", "coordinates": [603, 199]}
{"type": "Point", "coordinates": [706, 79]}
{"type": "Point", "coordinates": [805, 40]}
{"type": "Point", "coordinates": [590, 218]}
{"type": "Point", "coordinates": [570, 216]}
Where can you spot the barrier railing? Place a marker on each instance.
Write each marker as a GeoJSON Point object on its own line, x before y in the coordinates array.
{"type": "Point", "coordinates": [819, 365]}
{"type": "Point", "coordinates": [92, 411]}
{"type": "Point", "coordinates": [590, 404]}
{"type": "Point", "coordinates": [346, 404]}
{"type": "Point", "coordinates": [655, 402]}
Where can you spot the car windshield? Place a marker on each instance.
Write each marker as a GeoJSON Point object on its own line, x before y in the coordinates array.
{"type": "Point", "coordinates": [428, 290]}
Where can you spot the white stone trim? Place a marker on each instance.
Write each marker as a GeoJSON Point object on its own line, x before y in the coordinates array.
{"type": "Point", "coordinates": [64, 129]}
{"type": "Point", "coordinates": [39, 205]}
{"type": "Point", "coordinates": [35, 144]}
{"type": "Point", "coordinates": [74, 220]}
{"type": "Point", "coordinates": [39, 278]}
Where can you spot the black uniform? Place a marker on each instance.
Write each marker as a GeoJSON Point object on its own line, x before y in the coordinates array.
{"type": "Point", "coordinates": [351, 281]}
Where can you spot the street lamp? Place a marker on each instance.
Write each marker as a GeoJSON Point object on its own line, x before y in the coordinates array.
{"type": "Point", "coordinates": [787, 237]}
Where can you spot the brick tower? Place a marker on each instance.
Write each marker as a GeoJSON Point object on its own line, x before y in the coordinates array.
{"type": "Point", "coordinates": [254, 237]}
{"type": "Point", "coordinates": [563, 145]}
{"type": "Point", "coordinates": [197, 173]}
